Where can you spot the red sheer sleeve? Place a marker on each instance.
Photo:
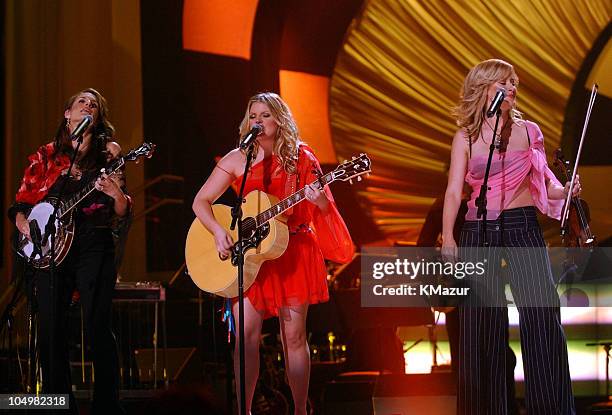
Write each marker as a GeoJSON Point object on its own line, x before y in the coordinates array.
{"type": "Point", "coordinates": [40, 175]}
{"type": "Point", "coordinates": [332, 234]}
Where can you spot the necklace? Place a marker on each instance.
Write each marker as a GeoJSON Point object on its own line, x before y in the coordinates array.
{"type": "Point", "coordinates": [502, 130]}
{"type": "Point", "coordinates": [497, 141]}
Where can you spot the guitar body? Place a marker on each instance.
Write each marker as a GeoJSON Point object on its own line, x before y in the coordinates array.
{"type": "Point", "coordinates": [41, 213]}
{"type": "Point", "coordinates": [220, 277]}
{"type": "Point", "coordinates": [264, 234]}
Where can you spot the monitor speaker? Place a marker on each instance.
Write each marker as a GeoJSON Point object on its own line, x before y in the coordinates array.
{"type": "Point", "coordinates": [431, 394]}
{"type": "Point", "coordinates": [182, 364]}
{"type": "Point", "coordinates": [350, 393]}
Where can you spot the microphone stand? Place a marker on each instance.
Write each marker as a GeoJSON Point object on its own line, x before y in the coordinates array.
{"type": "Point", "coordinates": [239, 249]}
{"type": "Point", "coordinates": [50, 230]}
{"type": "Point", "coordinates": [481, 200]}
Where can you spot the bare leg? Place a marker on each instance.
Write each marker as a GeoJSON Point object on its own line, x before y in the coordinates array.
{"type": "Point", "coordinates": [252, 335]}
{"type": "Point", "coordinates": [297, 354]}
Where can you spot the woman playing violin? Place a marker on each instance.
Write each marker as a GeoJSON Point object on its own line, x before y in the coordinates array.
{"type": "Point", "coordinates": [520, 183]}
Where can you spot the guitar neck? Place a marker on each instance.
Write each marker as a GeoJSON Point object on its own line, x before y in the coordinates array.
{"type": "Point", "coordinates": [292, 200]}
{"type": "Point", "coordinates": [77, 197]}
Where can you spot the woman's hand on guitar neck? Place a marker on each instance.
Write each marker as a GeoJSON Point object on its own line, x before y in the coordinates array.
{"type": "Point", "coordinates": [224, 243]}
{"type": "Point", "coordinates": [111, 186]}
{"type": "Point", "coordinates": [108, 185]}
{"type": "Point", "coordinates": [316, 197]}
{"type": "Point", "coordinates": [23, 225]}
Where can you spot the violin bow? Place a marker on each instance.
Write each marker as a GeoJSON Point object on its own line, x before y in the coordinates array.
{"type": "Point", "coordinates": [565, 215]}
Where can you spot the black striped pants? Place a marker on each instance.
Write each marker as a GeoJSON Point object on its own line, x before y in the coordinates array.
{"type": "Point", "coordinates": [484, 321]}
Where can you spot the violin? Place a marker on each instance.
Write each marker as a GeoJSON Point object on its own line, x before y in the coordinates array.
{"type": "Point", "coordinates": [576, 232]}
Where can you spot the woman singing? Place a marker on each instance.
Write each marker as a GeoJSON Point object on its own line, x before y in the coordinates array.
{"type": "Point", "coordinates": [89, 266]}
{"type": "Point", "coordinates": [520, 183]}
{"type": "Point", "coordinates": [284, 287]}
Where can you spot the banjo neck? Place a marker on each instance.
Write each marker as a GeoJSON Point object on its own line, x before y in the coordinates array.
{"type": "Point", "coordinates": [70, 203]}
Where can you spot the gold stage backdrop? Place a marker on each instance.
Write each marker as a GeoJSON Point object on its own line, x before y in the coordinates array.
{"type": "Point", "coordinates": [399, 72]}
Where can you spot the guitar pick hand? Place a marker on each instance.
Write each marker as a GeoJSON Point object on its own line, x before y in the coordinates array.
{"type": "Point", "coordinates": [22, 224]}
{"type": "Point", "coordinates": [224, 243]}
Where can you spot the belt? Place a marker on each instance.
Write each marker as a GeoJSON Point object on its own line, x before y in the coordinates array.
{"type": "Point", "coordinates": [304, 227]}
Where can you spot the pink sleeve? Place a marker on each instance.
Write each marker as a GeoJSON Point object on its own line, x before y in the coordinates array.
{"type": "Point", "coordinates": [332, 234]}
{"type": "Point", "coordinates": [542, 173]}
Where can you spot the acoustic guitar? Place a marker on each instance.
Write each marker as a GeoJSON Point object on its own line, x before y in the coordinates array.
{"type": "Point", "coordinates": [265, 234]}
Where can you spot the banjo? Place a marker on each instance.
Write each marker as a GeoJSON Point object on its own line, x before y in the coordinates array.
{"type": "Point", "coordinates": [37, 250]}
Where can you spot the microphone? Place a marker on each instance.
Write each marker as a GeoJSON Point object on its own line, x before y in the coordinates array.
{"type": "Point", "coordinates": [80, 129]}
{"type": "Point", "coordinates": [251, 136]}
{"type": "Point", "coordinates": [496, 103]}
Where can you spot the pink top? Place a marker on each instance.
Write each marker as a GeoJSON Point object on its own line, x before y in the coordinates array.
{"type": "Point", "coordinates": [508, 170]}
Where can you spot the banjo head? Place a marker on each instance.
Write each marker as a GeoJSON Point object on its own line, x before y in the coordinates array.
{"type": "Point", "coordinates": [39, 217]}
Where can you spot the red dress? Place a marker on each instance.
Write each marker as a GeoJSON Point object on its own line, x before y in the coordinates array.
{"type": "Point", "coordinates": [299, 275]}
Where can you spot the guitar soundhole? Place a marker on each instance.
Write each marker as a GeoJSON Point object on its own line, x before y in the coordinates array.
{"type": "Point", "coordinates": [248, 227]}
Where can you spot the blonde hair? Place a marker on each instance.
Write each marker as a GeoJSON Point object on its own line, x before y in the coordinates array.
{"type": "Point", "coordinates": [287, 140]}
{"type": "Point", "coordinates": [470, 111]}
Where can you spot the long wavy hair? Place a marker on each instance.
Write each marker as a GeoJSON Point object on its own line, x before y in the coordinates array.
{"type": "Point", "coordinates": [102, 132]}
{"type": "Point", "coordinates": [287, 140]}
{"type": "Point", "coordinates": [472, 106]}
